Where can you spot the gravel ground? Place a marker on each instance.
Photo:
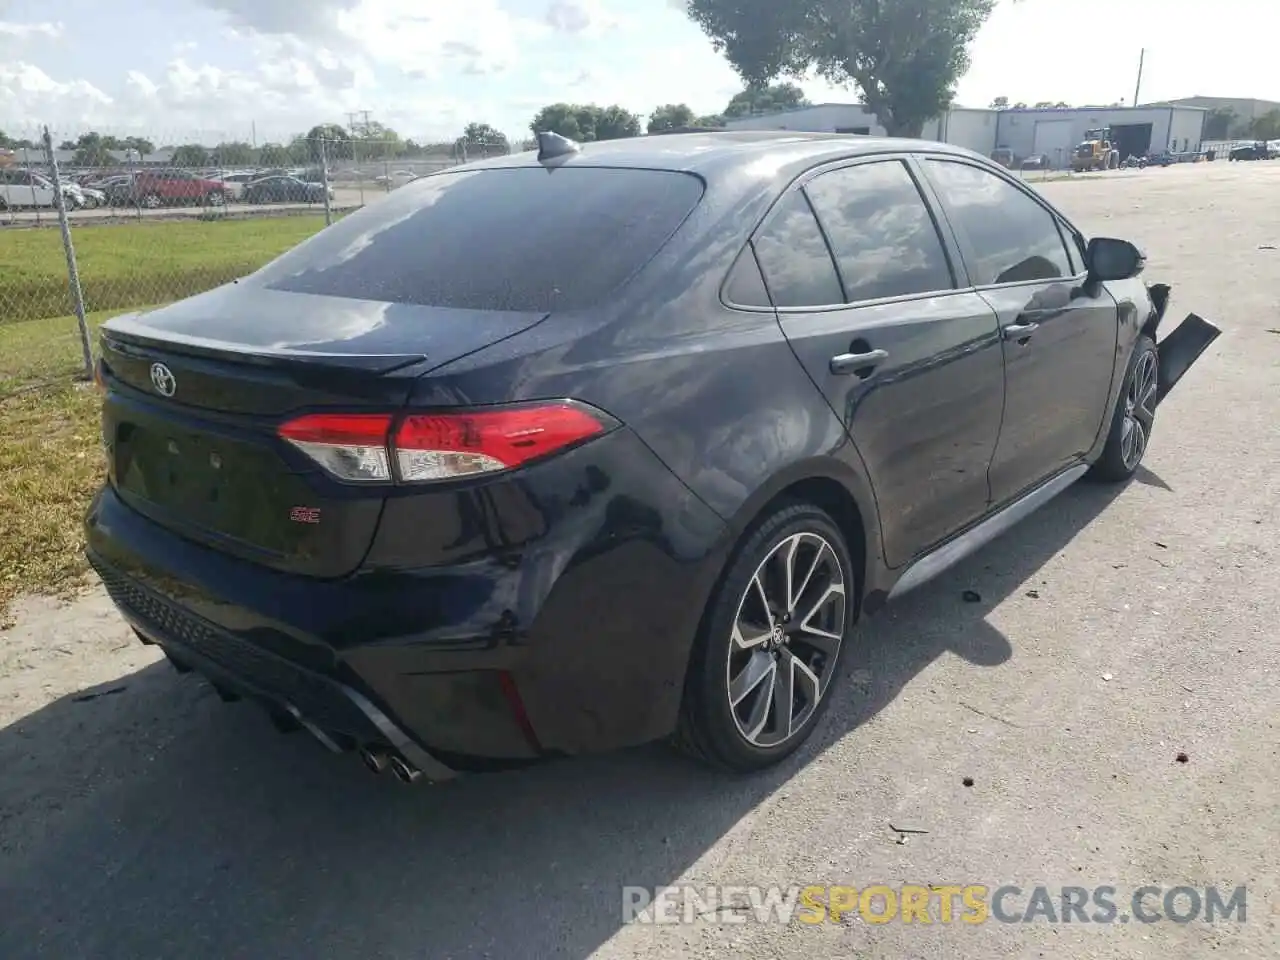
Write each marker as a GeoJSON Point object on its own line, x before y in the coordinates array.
{"type": "Point", "coordinates": [140, 817]}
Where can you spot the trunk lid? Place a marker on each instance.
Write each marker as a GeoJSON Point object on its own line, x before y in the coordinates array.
{"type": "Point", "coordinates": [196, 392]}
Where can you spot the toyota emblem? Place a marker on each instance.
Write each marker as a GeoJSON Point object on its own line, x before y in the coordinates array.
{"type": "Point", "coordinates": [163, 380]}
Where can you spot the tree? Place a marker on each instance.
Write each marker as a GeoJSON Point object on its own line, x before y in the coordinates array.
{"type": "Point", "coordinates": [905, 57]}
{"type": "Point", "coordinates": [139, 145]}
{"type": "Point", "coordinates": [337, 143]}
{"type": "Point", "coordinates": [375, 141]}
{"type": "Point", "coordinates": [9, 143]}
{"type": "Point", "coordinates": [765, 98]}
{"type": "Point", "coordinates": [191, 155]}
{"type": "Point", "coordinates": [1266, 127]}
{"type": "Point", "coordinates": [1062, 105]}
{"type": "Point", "coordinates": [564, 119]}
{"type": "Point", "coordinates": [586, 122]}
{"type": "Point", "coordinates": [710, 120]}
{"type": "Point", "coordinates": [1044, 104]}
{"type": "Point", "coordinates": [236, 153]}
{"type": "Point", "coordinates": [669, 117]}
{"type": "Point", "coordinates": [616, 123]}
{"type": "Point", "coordinates": [92, 150]}
{"type": "Point", "coordinates": [1218, 123]}
{"type": "Point", "coordinates": [483, 140]}
{"type": "Point", "coordinates": [274, 155]}
{"type": "Point", "coordinates": [1000, 103]}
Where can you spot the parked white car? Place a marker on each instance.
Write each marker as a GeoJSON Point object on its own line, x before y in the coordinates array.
{"type": "Point", "coordinates": [396, 178]}
{"type": "Point", "coordinates": [235, 182]}
{"type": "Point", "coordinates": [82, 197]}
{"type": "Point", "coordinates": [26, 188]}
{"type": "Point", "coordinates": [92, 198]}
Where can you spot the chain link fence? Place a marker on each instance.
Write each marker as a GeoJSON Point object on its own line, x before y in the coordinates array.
{"type": "Point", "coordinates": [91, 226]}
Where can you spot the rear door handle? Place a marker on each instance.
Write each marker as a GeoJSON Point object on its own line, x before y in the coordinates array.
{"type": "Point", "coordinates": [843, 363]}
{"type": "Point", "coordinates": [1020, 331]}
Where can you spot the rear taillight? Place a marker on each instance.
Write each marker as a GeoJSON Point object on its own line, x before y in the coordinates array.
{"type": "Point", "coordinates": [351, 446]}
{"type": "Point", "coordinates": [425, 447]}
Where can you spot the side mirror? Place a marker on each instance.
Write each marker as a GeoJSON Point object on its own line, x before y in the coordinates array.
{"type": "Point", "coordinates": [1109, 259]}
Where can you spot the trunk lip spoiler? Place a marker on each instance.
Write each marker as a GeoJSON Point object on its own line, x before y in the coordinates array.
{"type": "Point", "coordinates": [129, 336]}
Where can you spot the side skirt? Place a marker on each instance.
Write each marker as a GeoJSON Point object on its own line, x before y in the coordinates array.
{"type": "Point", "coordinates": [944, 557]}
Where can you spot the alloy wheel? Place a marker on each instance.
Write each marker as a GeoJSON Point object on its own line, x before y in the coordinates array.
{"type": "Point", "coordinates": [1139, 410]}
{"type": "Point", "coordinates": [786, 639]}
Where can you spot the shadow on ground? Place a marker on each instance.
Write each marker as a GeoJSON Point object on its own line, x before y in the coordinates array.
{"type": "Point", "coordinates": [154, 821]}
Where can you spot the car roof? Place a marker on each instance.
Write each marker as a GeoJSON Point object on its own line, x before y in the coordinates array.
{"type": "Point", "coordinates": [716, 153]}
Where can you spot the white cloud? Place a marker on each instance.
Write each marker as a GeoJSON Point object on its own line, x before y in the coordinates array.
{"type": "Point", "coordinates": [27, 31]}
{"type": "Point", "coordinates": [43, 99]}
{"type": "Point", "coordinates": [423, 68]}
{"type": "Point", "coordinates": [420, 39]}
{"type": "Point", "coordinates": [580, 17]}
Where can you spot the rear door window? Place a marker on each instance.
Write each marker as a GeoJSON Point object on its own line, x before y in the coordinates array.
{"type": "Point", "coordinates": [882, 234]}
{"type": "Point", "coordinates": [794, 257]}
{"type": "Point", "coordinates": [519, 238]}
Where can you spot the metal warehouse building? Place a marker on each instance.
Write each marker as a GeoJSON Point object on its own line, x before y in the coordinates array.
{"type": "Point", "coordinates": [1052, 133]}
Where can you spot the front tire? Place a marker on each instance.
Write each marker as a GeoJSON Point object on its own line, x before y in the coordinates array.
{"type": "Point", "coordinates": [769, 647]}
{"type": "Point", "coordinates": [1134, 417]}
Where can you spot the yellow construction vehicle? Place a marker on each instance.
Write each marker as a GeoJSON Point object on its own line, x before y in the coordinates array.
{"type": "Point", "coordinates": [1095, 152]}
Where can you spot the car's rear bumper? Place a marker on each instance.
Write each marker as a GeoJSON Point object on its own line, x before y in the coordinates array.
{"type": "Point", "coordinates": [576, 645]}
{"type": "Point", "coordinates": [339, 715]}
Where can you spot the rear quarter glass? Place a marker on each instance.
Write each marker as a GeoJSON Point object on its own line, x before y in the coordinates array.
{"type": "Point", "coordinates": [512, 239]}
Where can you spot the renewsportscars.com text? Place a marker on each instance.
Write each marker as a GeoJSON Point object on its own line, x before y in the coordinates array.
{"type": "Point", "coordinates": [928, 904]}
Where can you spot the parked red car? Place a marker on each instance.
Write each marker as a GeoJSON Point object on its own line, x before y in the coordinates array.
{"type": "Point", "coordinates": [158, 188]}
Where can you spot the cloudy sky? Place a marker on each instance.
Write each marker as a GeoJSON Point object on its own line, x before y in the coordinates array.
{"type": "Point", "coordinates": [225, 69]}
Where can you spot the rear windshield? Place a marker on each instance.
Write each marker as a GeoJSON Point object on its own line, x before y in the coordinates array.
{"type": "Point", "coordinates": [525, 239]}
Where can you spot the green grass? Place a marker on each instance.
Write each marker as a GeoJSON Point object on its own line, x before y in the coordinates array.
{"type": "Point", "coordinates": [50, 456]}
{"type": "Point", "coordinates": [135, 264]}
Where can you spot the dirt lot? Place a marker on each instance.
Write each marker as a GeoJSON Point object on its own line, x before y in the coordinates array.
{"type": "Point", "coordinates": [140, 817]}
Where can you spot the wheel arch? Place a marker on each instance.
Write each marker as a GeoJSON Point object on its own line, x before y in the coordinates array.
{"type": "Point", "coordinates": [830, 485]}
{"type": "Point", "coordinates": [825, 483]}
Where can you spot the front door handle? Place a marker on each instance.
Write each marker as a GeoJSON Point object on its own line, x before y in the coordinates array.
{"type": "Point", "coordinates": [1020, 331]}
{"type": "Point", "coordinates": [862, 364]}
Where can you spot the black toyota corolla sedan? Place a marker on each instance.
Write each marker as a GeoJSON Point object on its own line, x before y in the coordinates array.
{"type": "Point", "coordinates": [610, 443]}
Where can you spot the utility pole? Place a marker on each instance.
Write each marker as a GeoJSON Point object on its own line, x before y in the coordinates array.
{"type": "Point", "coordinates": [1137, 87]}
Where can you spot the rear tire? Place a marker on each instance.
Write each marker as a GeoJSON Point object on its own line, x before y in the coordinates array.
{"type": "Point", "coordinates": [768, 652]}
{"type": "Point", "coordinates": [1134, 416]}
